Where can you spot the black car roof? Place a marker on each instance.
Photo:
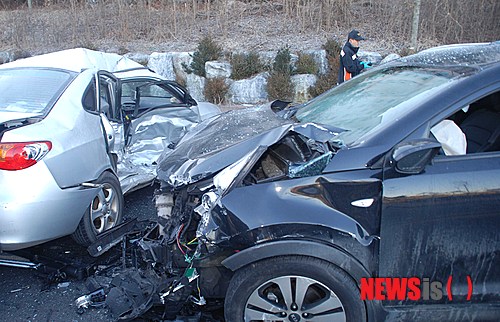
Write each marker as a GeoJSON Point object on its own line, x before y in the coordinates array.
{"type": "Point", "coordinates": [472, 55]}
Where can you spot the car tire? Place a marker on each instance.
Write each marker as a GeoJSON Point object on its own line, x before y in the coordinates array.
{"type": "Point", "coordinates": [322, 287]}
{"type": "Point", "coordinates": [104, 212]}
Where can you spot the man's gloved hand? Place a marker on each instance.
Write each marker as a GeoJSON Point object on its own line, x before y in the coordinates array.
{"type": "Point", "coordinates": [366, 64]}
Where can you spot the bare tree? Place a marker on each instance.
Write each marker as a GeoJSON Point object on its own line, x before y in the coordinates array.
{"type": "Point", "coordinates": [58, 24]}
{"type": "Point", "coordinates": [414, 26]}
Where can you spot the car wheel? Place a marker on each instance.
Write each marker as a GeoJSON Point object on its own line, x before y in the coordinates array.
{"type": "Point", "coordinates": [293, 288]}
{"type": "Point", "coordinates": [104, 211]}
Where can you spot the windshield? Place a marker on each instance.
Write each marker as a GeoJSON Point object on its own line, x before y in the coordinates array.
{"type": "Point", "coordinates": [31, 91]}
{"type": "Point", "coordinates": [369, 100]}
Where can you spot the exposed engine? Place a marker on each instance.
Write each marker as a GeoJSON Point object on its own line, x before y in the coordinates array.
{"type": "Point", "coordinates": [284, 158]}
{"type": "Point", "coordinates": [175, 264]}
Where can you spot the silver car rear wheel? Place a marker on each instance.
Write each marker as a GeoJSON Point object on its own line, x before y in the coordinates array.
{"type": "Point", "coordinates": [104, 211]}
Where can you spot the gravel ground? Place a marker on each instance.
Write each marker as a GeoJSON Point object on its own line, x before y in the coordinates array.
{"type": "Point", "coordinates": [26, 295]}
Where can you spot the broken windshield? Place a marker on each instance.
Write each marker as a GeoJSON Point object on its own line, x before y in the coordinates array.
{"type": "Point", "coordinates": [369, 100]}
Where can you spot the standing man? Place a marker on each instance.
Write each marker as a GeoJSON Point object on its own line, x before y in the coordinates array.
{"type": "Point", "coordinates": [350, 65]}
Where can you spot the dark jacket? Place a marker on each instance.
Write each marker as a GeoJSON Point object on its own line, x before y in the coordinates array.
{"type": "Point", "coordinates": [350, 65]}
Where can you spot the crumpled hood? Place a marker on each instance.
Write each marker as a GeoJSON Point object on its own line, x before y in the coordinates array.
{"type": "Point", "coordinates": [223, 140]}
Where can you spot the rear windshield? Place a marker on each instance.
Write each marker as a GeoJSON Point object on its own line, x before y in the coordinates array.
{"type": "Point", "coordinates": [31, 90]}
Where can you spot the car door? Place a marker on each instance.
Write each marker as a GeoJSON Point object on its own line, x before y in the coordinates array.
{"type": "Point", "coordinates": [441, 225]}
{"type": "Point", "coordinates": [109, 102]}
{"type": "Point", "coordinates": [156, 115]}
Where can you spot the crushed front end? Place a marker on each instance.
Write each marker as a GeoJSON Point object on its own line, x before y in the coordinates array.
{"type": "Point", "coordinates": [212, 206]}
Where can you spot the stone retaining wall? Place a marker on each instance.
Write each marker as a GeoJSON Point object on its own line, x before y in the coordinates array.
{"type": "Point", "coordinates": [246, 91]}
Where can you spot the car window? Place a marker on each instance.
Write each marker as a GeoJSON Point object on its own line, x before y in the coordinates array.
{"type": "Point", "coordinates": [151, 91]}
{"type": "Point", "coordinates": [129, 89]}
{"type": "Point", "coordinates": [106, 101]}
{"type": "Point", "coordinates": [368, 101]}
{"type": "Point", "coordinates": [478, 122]}
{"type": "Point", "coordinates": [88, 101]}
{"type": "Point", "coordinates": [31, 90]}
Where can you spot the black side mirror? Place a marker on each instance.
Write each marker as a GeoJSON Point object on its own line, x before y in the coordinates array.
{"type": "Point", "coordinates": [412, 157]}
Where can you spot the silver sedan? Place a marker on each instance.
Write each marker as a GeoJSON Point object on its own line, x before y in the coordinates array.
{"type": "Point", "coordinates": [78, 129]}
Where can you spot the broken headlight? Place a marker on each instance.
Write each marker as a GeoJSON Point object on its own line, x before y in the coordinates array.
{"type": "Point", "coordinates": [222, 183]}
{"type": "Point", "coordinates": [208, 201]}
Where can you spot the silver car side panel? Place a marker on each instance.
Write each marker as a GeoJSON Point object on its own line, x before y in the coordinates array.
{"type": "Point", "coordinates": [33, 208]}
{"type": "Point", "coordinates": [79, 151]}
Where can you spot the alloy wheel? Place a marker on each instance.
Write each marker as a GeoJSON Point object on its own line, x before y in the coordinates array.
{"type": "Point", "coordinates": [104, 209]}
{"type": "Point", "coordinates": [294, 298]}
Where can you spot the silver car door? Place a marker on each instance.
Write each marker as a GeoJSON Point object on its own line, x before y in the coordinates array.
{"type": "Point", "coordinates": [157, 116]}
{"type": "Point", "coordinates": [111, 116]}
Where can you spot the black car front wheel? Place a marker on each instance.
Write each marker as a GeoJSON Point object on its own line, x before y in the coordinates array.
{"type": "Point", "coordinates": [293, 288]}
{"type": "Point", "coordinates": [104, 212]}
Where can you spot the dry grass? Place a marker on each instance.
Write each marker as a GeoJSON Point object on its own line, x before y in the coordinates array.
{"type": "Point", "coordinates": [216, 90]}
{"type": "Point", "coordinates": [178, 25]}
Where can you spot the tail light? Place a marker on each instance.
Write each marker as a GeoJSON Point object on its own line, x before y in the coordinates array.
{"type": "Point", "coordinates": [17, 156]}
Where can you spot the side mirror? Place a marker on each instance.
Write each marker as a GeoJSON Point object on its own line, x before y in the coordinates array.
{"type": "Point", "coordinates": [412, 157]}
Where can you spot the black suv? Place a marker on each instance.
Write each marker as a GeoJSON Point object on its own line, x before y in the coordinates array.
{"type": "Point", "coordinates": [377, 200]}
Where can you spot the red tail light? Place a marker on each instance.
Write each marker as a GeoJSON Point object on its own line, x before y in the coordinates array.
{"type": "Point", "coordinates": [17, 156]}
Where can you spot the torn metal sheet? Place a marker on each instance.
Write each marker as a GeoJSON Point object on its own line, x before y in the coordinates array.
{"type": "Point", "coordinates": [150, 136]}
